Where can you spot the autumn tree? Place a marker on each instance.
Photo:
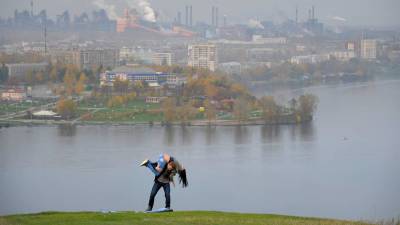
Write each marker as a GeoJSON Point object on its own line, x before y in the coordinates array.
{"type": "Point", "coordinates": [66, 108]}
{"type": "Point", "coordinates": [80, 85]}
{"type": "Point", "coordinates": [270, 110]}
{"type": "Point", "coordinates": [3, 73]}
{"type": "Point", "coordinates": [120, 85]}
{"type": "Point", "coordinates": [116, 101]}
{"type": "Point", "coordinates": [241, 109]}
{"type": "Point", "coordinates": [53, 74]}
{"type": "Point", "coordinates": [185, 113]}
{"type": "Point", "coordinates": [210, 110]}
{"type": "Point", "coordinates": [169, 109]}
{"type": "Point", "coordinates": [30, 77]}
{"type": "Point", "coordinates": [307, 105]}
{"type": "Point", "coordinates": [39, 77]}
{"type": "Point", "coordinates": [69, 82]}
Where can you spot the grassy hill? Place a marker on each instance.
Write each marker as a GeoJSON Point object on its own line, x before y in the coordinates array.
{"type": "Point", "coordinates": [178, 218]}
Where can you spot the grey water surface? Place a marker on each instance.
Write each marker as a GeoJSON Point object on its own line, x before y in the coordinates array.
{"type": "Point", "coordinates": [345, 164]}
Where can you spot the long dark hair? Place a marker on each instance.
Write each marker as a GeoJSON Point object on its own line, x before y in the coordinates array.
{"type": "Point", "coordinates": [183, 178]}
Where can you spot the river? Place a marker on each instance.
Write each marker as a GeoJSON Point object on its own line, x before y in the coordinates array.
{"type": "Point", "coordinates": [345, 164]}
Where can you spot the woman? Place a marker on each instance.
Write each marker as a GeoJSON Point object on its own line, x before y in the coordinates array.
{"type": "Point", "coordinates": [164, 170]}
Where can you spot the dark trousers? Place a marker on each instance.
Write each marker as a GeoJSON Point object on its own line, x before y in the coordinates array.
{"type": "Point", "coordinates": [156, 187]}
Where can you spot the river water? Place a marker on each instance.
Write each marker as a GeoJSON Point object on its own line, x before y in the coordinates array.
{"type": "Point", "coordinates": [345, 164]}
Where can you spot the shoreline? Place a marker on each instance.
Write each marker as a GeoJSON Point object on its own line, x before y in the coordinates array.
{"type": "Point", "coordinates": [194, 123]}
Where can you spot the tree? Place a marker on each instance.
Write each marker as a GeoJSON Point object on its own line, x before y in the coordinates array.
{"type": "Point", "coordinates": [307, 105]}
{"type": "Point", "coordinates": [66, 108]}
{"type": "Point", "coordinates": [293, 105]}
{"type": "Point", "coordinates": [241, 109]}
{"type": "Point", "coordinates": [270, 110]}
{"type": "Point", "coordinates": [53, 74]}
{"type": "Point", "coordinates": [185, 113]}
{"type": "Point", "coordinates": [120, 85]}
{"type": "Point", "coordinates": [69, 82]}
{"type": "Point", "coordinates": [30, 77]}
{"type": "Point", "coordinates": [116, 101]}
{"type": "Point", "coordinates": [169, 109]}
{"type": "Point", "coordinates": [39, 77]}
{"type": "Point", "coordinates": [210, 110]}
{"type": "Point", "coordinates": [3, 73]}
{"type": "Point", "coordinates": [80, 85]}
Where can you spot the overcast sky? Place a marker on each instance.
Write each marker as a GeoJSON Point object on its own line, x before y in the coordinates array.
{"type": "Point", "coordinates": [356, 12]}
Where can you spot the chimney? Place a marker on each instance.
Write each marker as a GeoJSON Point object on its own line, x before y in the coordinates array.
{"type": "Point", "coordinates": [216, 17]}
{"type": "Point", "coordinates": [313, 12]}
{"type": "Point", "coordinates": [297, 15]}
{"type": "Point", "coordinates": [187, 15]}
{"type": "Point", "coordinates": [191, 16]}
{"type": "Point", "coordinates": [213, 16]}
{"type": "Point", "coordinates": [32, 8]}
{"type": "Point", "coordinates": [179, 18]}
{"type": "Point", "coordinates": [225, 22]}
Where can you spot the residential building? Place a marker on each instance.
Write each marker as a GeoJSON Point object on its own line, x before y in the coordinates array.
{"type": "Point", "coordinates": [350, 46]}
{"type": "Point", "coordinates": [162, 59]}
{"type": "Point", "coordinates": [269, 40]}
{"type": "Point", "coordinates": [343, 55]}
{"type": "Point", "coordinates": [309, 59]}
{"type": "Point", "coordinates": [19, 70]}
{"type": "Point", "coordinates": [13, 94]}
{"type": "Point", "coordinates": [134, 74]}
{"type": "Point", "coordinates": [88, 58]}
{"type": "Point", "coordinates": [368, 49]}
{"type": "Point", "coordinates": [203, 56]}
{"type": "Point", "coordinates": [231, 67]}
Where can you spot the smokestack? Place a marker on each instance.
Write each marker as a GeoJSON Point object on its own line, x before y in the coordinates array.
{"type": "Point", "coordinates": [187, 15]}
{"type": "Point", "coordinates": [179, 18]}
{"type": "Point", "coordinates": [309, 14]}
{"type": "Point", "coordinates": [32, 8]}
{"type": "Point", "coordinates": [45, 39]}
{"type": "Point", "coordinates": [225, 22]}
{"type": "Point", "coordinates": [297, 15]}
{"type": "Point", "coordinates": [191, 16]}
{"type": "Point", "coordinates": [216, 17]}
{"type": "Point", "coordinates": [313, 11]}
{"type": "Point", "coordinates": [213, 16]}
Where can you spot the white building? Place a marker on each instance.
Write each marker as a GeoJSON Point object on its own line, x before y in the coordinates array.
{"type": "Point", "coordinates": [203, 56]}
{"type": "Point", "coordinates": [343, 55]}
{"type": "Point", "coordinates": [231, 67]}
{"type": "Point", "coordinates": [309, 59]}
{"type": "Point", "coordinates": [259, 39]}
{"type": "Point", "coordinates": [368, 49]}
{"type": "Point", "coordinates": [162, 59]}
{"type": "Point", "coordinates": [22, 69]}
{"type": "Point", "coordinates": [13, 94]}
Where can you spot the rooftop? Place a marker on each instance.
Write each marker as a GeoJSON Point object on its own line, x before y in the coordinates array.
{"type": "Point", "coordinates": [132, 69]}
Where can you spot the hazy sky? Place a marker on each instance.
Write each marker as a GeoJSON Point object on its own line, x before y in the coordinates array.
{"type": "Point", "coordinates": [356, 12]}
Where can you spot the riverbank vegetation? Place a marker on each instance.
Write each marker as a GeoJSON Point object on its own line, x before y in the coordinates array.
{"type": "Point", "coordinates": [188, 218]}
{"type": "Point", "coordinates": [203, 96]}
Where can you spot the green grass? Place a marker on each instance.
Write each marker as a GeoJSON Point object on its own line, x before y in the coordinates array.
{"type": "Point", "coordinates": [178, 218]}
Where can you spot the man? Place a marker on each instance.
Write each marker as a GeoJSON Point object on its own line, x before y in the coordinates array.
{"type": "Point", "coordinates": [164, 170]}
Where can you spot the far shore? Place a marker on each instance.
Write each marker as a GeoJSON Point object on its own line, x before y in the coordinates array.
{"type": "Point", "coordinates": [198, 123]}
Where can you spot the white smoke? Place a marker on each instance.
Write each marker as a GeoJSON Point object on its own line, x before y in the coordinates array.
{"type": "Point", "coordinates": [255, 24]}
{"type": "Point", "coordinates": [338, 18]}
{"type": "Point", "coordinates": [110, 9]}
{"type": "Point", "coordinates": [144, 8]}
